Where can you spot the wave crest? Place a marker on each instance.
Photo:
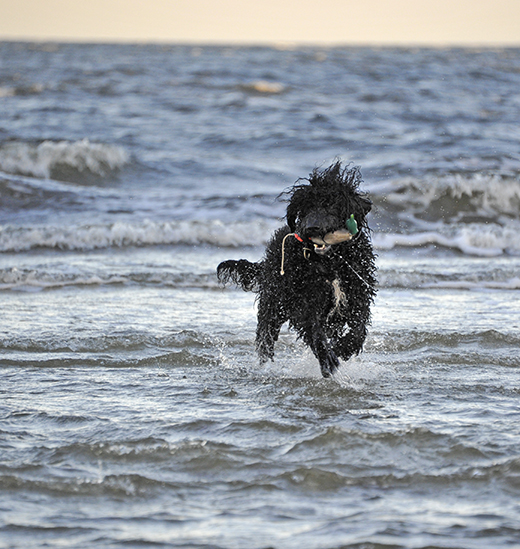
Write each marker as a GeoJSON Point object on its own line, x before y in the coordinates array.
{"type": "Point", "coordinates": [479, 239]}
{"type": "Point", "coordinates": [457, 197]}
{"type": "Point", "coordinates": [123, 234]}
{"type": "Point", "coordinates": [63, 160]}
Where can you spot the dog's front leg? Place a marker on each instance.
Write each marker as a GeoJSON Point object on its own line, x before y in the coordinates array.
{"type": "Point", "coordinates": [270, 321]}
{"type": "Point", "coordinates": [317, 341]}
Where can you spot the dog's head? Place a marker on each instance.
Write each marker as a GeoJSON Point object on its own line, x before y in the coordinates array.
{"type": "Point", "coordinates": [328, 209]}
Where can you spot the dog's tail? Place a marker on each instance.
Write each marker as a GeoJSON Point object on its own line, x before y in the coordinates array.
{"type": "Point", "coordinates": [241, 272]}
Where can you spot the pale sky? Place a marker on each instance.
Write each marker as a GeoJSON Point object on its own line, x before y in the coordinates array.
{"type": "Point", "coordinates": [412, 22]}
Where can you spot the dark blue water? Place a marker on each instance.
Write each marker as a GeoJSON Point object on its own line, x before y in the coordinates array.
{"type": "Point", "coordinates": [133, 411]}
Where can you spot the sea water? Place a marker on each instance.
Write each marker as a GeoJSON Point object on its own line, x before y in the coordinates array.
{"type": "Point", "coordinates": [133, 410]}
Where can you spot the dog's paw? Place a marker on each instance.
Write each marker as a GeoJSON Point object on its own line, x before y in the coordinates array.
{"type": "Point", "coordinates": [329, 365]}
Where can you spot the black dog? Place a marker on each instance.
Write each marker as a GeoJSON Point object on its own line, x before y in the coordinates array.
{"type": "Point", "coordinates": [318, 272]}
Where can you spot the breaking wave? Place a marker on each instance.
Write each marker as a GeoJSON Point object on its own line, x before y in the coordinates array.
{"type": "Point", "coordinates": [61, 160]}
{"type": "Point", "coordinates": [123, 234]}
{"type": "Point", "coordinates": [475, 215]}
{"type": "Point", "coordinates": [39, 278]}
{"type": "Point", "coordinates": [479, 239]}
{"type": "Point", "coordinates": [453, 198]}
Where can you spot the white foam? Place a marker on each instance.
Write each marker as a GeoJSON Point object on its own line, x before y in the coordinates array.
{"type": "Point", "coordinates": [483, 194]}
{"type": "Point", "coordinates": [485, 280]}
{"type": "Point", "coordinates": [13, 279]}
{"type": "Point", "coordinates": [486, 240]}
{"type": "Point", "coordinates": [7, 92]}
{"type": "Point", "coordinates": [40, 160]}
{"type": "Point", "coordinates": [264, 87]}
{"type": "Point", "coordinates": [123, 234]}
{"type": "Point", "coordinates": [489, 240]}
{"type": "Point", "coordinates": [509, 284]}
{"type": "Point", "coordinates": [358, 370]}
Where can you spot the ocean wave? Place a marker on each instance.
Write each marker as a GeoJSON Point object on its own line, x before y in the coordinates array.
{"type": "Point", "coordinates": [317, 479]}
{"type": "Point", "coordinates": [117, 485]}
{"type": "Point", "coordinates": [169, 359]}
{"type": "Point", "coordinates": [43, 279]}
{"type": "Point", "coordinates": [183, 348]}
{"type": "Point", "coordinates": [483, 341]}
{"type": "Point", "coordinates": [177, 340]}
{"type": "Point", "coordinates": [486, 280]}
{"type": "Point", "coordinates": [453, 197]}
{"type": "Point", "coordinates": [62, 160]}
{"type": "Point", "coordinates": [22, 193]}
{"type": "Point", "coordinates": [15, 279]}
{"type": "Point", "coordinates": [147, 233]}
{"type": "Point", "coordinates": [479, 239]}
{"type": "Point", "coordinates": [213, 458]}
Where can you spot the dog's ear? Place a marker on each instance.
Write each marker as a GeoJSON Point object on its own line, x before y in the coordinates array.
{"type": "Point", "coordinates": [365, 204]}
{"type": "Point", "coordinates": [292, 215]}
{"type": "Point", "coordinates": [362, 206]}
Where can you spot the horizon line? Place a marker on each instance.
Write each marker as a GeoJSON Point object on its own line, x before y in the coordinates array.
{"type": "Point", "coordinates": [274, 44]}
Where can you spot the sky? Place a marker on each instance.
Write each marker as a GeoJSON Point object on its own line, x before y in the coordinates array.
{"type": "Point", "coordinates": [325, 22]}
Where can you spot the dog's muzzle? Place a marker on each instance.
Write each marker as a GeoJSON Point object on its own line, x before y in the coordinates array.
{"type": "Point", "coordinates": [321, 245]}
{"type": "Point", "coordinates": [313, 230]}
{"type": "Point", "coordinates": [314, 227]}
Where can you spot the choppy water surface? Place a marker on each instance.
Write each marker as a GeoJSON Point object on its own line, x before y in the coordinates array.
{"type": "Point", "coordinates": [133, 411]}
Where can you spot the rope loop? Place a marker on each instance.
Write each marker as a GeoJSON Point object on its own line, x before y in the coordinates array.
{"type": "Point", "coordinates": [282, 272]}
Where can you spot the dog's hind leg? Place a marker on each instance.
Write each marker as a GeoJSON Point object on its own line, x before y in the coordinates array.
{"type": "Point", "coordinates": [317, 341]}
{"type": "Point", "coordinates": [352, 343]}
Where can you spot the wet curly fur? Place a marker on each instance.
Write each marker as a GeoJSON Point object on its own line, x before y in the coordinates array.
{"type": "Point", "coordinates": [325, 293]}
